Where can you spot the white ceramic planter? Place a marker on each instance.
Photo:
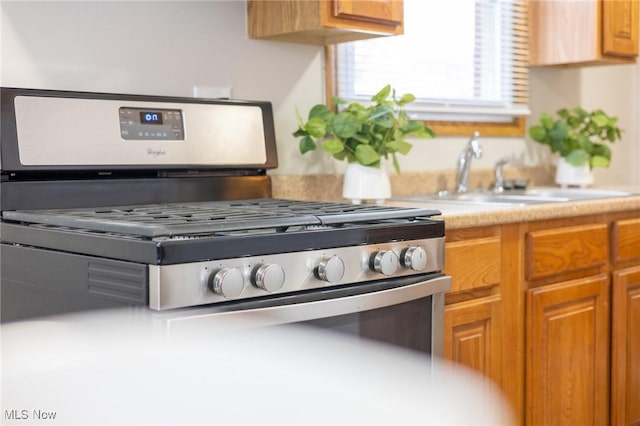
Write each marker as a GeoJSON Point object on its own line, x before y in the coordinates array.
{"type": "Point", "coordinates": [570, 175]}
{"type": "Point", "coordinates": [366, 183]}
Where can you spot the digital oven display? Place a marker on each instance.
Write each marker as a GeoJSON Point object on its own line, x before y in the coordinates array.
{"type": "Point", "coordinates": [143, 124]}
{"type": "Point", "coordinates": [150, 117]}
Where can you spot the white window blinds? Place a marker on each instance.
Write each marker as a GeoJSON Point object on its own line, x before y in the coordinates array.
{"type": "Point", "coordinates": [464, 60]}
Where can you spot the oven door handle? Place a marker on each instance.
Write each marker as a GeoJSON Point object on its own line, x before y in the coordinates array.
{"type": "Point", "coordinates": [307, 311]}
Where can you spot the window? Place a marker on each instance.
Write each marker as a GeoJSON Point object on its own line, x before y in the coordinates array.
{"type": "Point", "coordinates": [464, 60]}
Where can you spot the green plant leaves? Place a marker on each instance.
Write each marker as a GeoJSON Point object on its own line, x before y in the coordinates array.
{"type": "Point", "coordinates": [406, 99]}
{"type": "Point", "coordinates": [307, 144]}
{"type": "Point", "coordinates": [546, 120]}
{"type": "Point", "coordinates": [538, 133]}
{"type": "Point", "coordinates": [558, 132]}
{"type": "Point", "coordinates": [577, 157]}
{"type": "Point", "coordinates": [578, 135]}
{"type": "Point", "coordinates": [399, 146]}
{"type": "Point", "coordinates": [362, 133]}
{"type": "Point", "coordinates": [345, 125]}
{"type": "Point", "coordinates": [382, 116]}
{"type": "Point", "coordinates": [396, 164]}
{"type": "Point", "coordinates": [366, 155]}
{"type": "Point", "coordinates": [322, 112]}
{"type": "Point", "coordinates": [316, 127]}
{"type": "Point", "coordinates": [598, 161]}
{"type": "Point", "coordinates": [380, 111]}
{"type": "Point", "coordinates": [382, 95]}
{"type": "Point", "coordinates": [333, 146]}
{"type": "Point", "coordinates": [600, 119]}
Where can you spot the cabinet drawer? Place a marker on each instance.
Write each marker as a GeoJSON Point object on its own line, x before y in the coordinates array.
{"type": "Point", "coordinates": [626, 240]}
{"type": "Point", "coordinates": [564, 250]}
{"type": "Point", "coordinates": [473, 263]}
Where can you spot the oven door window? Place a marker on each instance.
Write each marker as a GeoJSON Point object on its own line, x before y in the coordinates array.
{"type": "Point", "coordinates": [407, 324]}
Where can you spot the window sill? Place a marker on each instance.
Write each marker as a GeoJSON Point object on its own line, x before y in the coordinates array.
{"type": "Point", "coordinates": [514, 128]}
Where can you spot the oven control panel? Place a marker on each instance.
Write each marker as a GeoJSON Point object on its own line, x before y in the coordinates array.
{"type": "Point", "coordinates": [192, 284]}
{"type": "Point", "coordinates": [151, 124]}
{"type": "Point", "coordinates": [87, 132]}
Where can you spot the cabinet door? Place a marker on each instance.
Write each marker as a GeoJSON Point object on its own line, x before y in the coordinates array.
{"type": "Point", "coordinates": [582, 32]}
{"type": "Point", "coordinates": [626, 241]}
{"type": "Point", "coordinates": [382, 11]}
{"type": "Point", "coordinates": [620, 27]}
{"type": "Point", "coordinates": [567, 372]}
{"type": "Point", "coordinates": [471, 335]}
{"type": "Point", "coordinates": [323, 21]}
{"type": "Point", "coordinates": [625, 347]}
{"type": "Point", "coordinates": [563, 31]}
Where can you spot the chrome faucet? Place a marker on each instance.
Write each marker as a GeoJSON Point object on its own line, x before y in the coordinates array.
{"type": "Point", "coordinates": [471, 150]}
{"type": "Point", "coordinates": [498, 185]}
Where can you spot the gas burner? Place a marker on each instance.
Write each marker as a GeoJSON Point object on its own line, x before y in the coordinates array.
{"type": "Point", "coordinates": [222, 217]}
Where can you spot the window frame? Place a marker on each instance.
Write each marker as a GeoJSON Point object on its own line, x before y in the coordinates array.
{"type": "Point", "coordinates": [514, 128]}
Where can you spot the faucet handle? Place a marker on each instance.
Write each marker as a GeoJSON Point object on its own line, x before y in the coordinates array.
{"type": "Point", "coordinates": [498, 185]}
{"type": "Point", "coordinates": [501, 162]}
{"type": "Point", "coordinates": [474, 145]}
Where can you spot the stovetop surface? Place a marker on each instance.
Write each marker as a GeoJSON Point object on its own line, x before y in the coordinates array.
{"type": "Point", "coordinates": [206, 218]}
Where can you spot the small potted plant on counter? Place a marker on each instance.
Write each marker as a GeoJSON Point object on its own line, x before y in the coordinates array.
{"type": "Point", "coordinates": [365, 136]}
{"type": "Point", "coordinates": [581, 138]}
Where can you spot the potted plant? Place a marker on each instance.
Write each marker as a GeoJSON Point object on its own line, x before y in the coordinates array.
{"type": "Point", "coordinates": [364, 136]}
{"type": "Point", "coordinates": [581, 138]}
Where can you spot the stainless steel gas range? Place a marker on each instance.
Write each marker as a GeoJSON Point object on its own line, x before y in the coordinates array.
{"type": "Point", "coordinates": [164, 203]}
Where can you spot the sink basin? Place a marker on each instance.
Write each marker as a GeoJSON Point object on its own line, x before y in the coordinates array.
{"type": "Point", "coordinates": [576, 194]}
{"type": "Point", "coordinates": [520, 197]}
{"type": "Point", "coordinates": [509, 198]}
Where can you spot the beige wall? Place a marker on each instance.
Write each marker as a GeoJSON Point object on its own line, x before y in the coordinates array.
{"type": "Point", "coordinates": [167, 47]}
{"type": "Point", "coordinates": [616, 89]}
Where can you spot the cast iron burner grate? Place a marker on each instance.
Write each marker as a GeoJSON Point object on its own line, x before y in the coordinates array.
{"type": "Point", "coordinates": [175, 219]}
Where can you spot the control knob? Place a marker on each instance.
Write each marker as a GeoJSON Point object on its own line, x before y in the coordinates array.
{"type": "Point", "coordinates": [331, 269]}
{"type": "Point", "coordinates": [269, 277]}
{"type": "Point", "coordinates": [227, 282]}
{"type": "Point", "coordinates": [384, 261]}
{"type": "Point", "coordinates": [414, 258]}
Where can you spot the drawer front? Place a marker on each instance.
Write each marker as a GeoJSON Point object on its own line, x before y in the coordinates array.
{"type": "Point", "coordinates": [562, 250]}
{"type": "Point", "coordinates": [626, 240]}
{"type": "Point", "coordinates": [473, 264]}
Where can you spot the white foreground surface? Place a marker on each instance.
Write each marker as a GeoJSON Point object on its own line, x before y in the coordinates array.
{"type": "Point", "coordinates": [121, 369]}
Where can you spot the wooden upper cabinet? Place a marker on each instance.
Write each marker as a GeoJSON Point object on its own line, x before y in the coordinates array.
{"type": "Point", "coordinates": [386, 12]}
{"type": "Point", "coordinates": [620, 28]}
{"type": "Point", "coordinates": [564, 32]}
{"type": "Point", "coordinates": [323, 21]}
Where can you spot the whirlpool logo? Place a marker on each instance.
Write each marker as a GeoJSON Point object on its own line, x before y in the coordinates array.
{"type": "Point", "coordinates": [151, 152]}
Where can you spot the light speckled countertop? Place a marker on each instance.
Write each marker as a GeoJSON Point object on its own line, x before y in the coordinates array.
{"type": "Point", "coordinates": [473, 215]}
{"type": "Point", "coordinates": [458, 215]}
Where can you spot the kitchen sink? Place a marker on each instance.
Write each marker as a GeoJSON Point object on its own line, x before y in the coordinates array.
{"type": "Point", "coordinates": [575, 194]}
{"type": "Point", "coordinates": [522, 197]}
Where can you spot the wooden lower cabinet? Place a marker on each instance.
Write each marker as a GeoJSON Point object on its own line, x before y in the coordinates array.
{"type": "Point", "coordinates": [567, 353]}
{"type": "Point", "coordinates": [472, 335]}
{"type": "Point", "coordinates": [550, 311]}
{"type": "Point", "coordinates": [625, 347]}
{"type": "Point", "coordinates": [482, 324]}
